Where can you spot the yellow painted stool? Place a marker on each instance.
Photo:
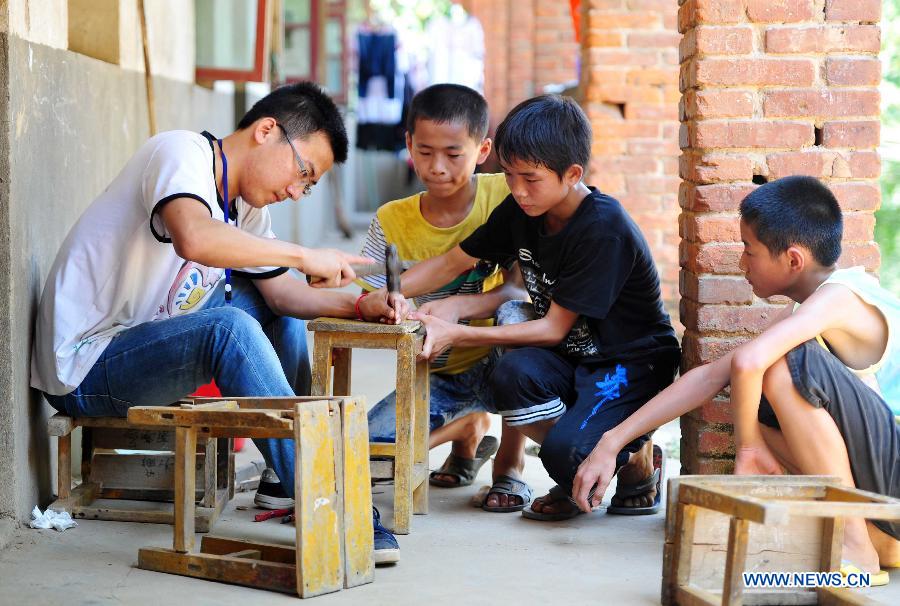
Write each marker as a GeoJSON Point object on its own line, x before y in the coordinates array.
{"type": "Point", "coordinates": [334, 341]}
{"type": "Point", "coordinates": [332, 492]}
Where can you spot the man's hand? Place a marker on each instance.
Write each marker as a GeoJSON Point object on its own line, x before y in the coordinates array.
{"type": "Point", "coordinates": [439, 335]}
{"type": "Point", "coordinates": [756, 460]}
{"type": "Point", "coordinates": [447, 309]}
{"type": "Point", "coordinates": [331, 265]}
{"type": "Point", "coordinates": [384, 307]}
{"type": "Point", "coordinates": [597, 468]}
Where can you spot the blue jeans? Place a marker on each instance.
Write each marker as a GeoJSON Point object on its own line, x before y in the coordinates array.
{"type": "Point", "coordinates": [246, 348]}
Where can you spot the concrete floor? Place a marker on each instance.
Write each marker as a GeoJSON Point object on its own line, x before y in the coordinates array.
{"type": "Point", "coordinates": [454, 554]}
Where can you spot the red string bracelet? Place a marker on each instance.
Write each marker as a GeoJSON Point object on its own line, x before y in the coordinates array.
{"type": "Point", "coordinates": [356, 306]}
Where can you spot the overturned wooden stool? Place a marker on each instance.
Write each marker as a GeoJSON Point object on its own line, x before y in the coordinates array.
{"type": "Point", "coordinates": [718, 527]}
{"type": "Point", "coordinates": [332, 494]}
{"type": "Point", "coordinates": [408, 455]}
{"type": "Point", "coordinates": [136, 486]}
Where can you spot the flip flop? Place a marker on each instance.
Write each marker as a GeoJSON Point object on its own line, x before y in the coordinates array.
{"type": "Point", "coordinates": [464, 469]}
{"type": "Point", "coordinates": [556, 495]}
{"type": "Point", "coordinates": [876, 579]}
{"type": "Point", "coordinates": [509, 486]}
{"type": "Point", "coordinates": [657, 478]}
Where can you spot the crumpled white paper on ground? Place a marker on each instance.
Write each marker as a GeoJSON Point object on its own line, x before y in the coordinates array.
{"type": "Point", "coordinates": [57, 520]}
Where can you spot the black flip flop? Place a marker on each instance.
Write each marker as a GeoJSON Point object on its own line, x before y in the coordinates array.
{"type": "Point", "coordinates": [465, 470]}
{"type": "Point", "coordinates": [657, 478]}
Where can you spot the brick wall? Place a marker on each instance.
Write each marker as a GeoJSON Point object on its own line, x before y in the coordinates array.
{"type": "Point", "coordinates": [771, 88]}
{"type": "Point", "coordinates": [528, 44]}
{"type": "Point", "coordinates": [629, 89]}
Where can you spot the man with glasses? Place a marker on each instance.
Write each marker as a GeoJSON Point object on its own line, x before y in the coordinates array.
{"type": "Point", "coordinates": [136, 309]}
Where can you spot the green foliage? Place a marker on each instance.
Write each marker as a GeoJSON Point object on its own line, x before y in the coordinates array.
{"type": "Point", "coordinates": [887, 226]}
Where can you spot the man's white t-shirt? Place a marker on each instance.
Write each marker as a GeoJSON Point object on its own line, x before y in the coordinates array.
{"type": "Point", "coordinates": [117, 267]}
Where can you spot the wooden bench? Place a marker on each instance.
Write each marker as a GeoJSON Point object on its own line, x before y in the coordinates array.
{"type": "Point", "coordinates": [332, 492]}
{"type": "Point", "coordinates": [718, 527]}
{"type": "Point", "coordinates": [407, 462]}
{"type": "Point", "coordinates": [134, 486]}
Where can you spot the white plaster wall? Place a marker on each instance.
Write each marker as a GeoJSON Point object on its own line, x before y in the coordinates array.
{"type": "Point", "coordinates": [170, 30]}
{"type": "Point", "coordinates": [41, 21]}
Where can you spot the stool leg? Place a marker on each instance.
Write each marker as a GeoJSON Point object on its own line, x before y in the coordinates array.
{"type": "Point", "coordinates": [341, 357]}
{"type": "Point", "coordinates": [422, 421]}
{"type": "Point", "coordinates": [64, 466]}
{"type": "Point", "coordinates": [321, 371]}
{"type": "Point", "coordinates": [832, 544]}
{"type": "Point", "coordinates": [210, 465]}
{"type": "Point", "coordinates": [403, 458]}
{"type": "Point", "coordinates": [685, 516]}
{"type": "Point", "coordinates": [732, 591]}
{"type": "Point", "coordinates": [185, 481]}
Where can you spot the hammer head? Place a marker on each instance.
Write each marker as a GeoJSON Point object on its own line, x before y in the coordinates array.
{"type": "Point", "coordinates": [393, 268]}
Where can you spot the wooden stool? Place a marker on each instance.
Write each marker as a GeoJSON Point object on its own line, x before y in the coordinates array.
{"type": "Point", "coordinates": [798, 527]}
{"type": "Point", "coordinates": [334, 340]}
{"type": "Point", "coordinates": [332, 494]}
{"type": "Point", "coordinates": [146, 476]}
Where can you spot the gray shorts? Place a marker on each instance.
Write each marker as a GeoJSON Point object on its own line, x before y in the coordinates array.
{"type": "Point", "coordinates": [864, 419]}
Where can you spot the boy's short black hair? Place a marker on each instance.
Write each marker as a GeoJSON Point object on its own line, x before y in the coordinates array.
{"type": "Point", "coordinates": [302, 109]}
{"type": "Point", "coordinates": [448, 103]}
{"type": "Point", "coordinates": [796, 210]}
{"type": "Point", "coordinates": [550, 131]}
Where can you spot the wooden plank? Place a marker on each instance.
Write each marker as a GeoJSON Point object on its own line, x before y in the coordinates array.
{"type": "Point", "coordinates": [285, 403]}
{"type": "Point", "coordinates": [269, 552]}
{"type": "Point", "coordinates": [134, 439]}
{"type": "Point", "coordinates": [321, 369]}
{"type": "Point", "coordinates": [359, 564]}
{"type": "Point", "coordinates": [826, 509]}
{"type": "Point", "coordinates": [319, 565]}
{"type": "Point", "coordinates": [356, 326]}
{"type": "Point", "coordinates": [60, 425]}
{"type": "Point", "coordinates": [213, 406]}
{"type": "Point", "coordinates": [335, 425]}
{"type": "Point", "coordinates": [381, 469]}
{"type": "Point", "coordinates": [82, 494]}
{"type": "Point", "coordinates": [64, 465]}
{"type": "Point", "coordinates": [229, 419]}
{"type": "Point", "coordinates": [403, 457]}
{"type": "Point", "coordinates": [341, 359]}
{"type": "Point", "coordinates": [382, 449]}
{"type": "Point", "coordinates": [251, 554]}
{"type": "Point", "coordinates": [132, 473]}
{"type": "Point", "coordinates": [744, 507]}
{"type": "Point", "coordinates": [273, 576]}
{"type": "Point", "coordinates": [733, 589]}
{"type": "Point", "coordinates": [185, 477]}
{"type": "Point", "coordinates": [421, 429]}
{"type": "Point", "coordinates": [87, 452]}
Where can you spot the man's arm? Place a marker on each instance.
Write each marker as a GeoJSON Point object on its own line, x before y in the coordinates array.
{"type": "Point", "coordinates": [544, 332]}
{"type": "Point", "coordinates": [198, 237]}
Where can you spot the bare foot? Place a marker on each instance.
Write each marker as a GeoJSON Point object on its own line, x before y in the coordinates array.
{"type": "Point", "coordinates": [638, 468]}
{"type": "Point", "coordinates": [858, 548]}
{"type": "Point", "coordinates": [473, 427]}
{"type": "Point", "coordinates": [509, 461]}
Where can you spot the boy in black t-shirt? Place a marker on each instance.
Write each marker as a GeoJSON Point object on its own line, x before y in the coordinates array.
{"type": "Point", "coordinates": [602, 344]}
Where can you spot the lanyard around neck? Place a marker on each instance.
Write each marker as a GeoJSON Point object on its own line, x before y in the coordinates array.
{"type": "Point", "coordinates": [227, 210]}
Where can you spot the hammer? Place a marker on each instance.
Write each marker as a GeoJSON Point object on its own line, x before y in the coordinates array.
{"type": "Point", "coordinates": [391, 269]}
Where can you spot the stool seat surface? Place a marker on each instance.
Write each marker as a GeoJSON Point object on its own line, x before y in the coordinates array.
{"type": "Point", "coordinates": [356, 326]}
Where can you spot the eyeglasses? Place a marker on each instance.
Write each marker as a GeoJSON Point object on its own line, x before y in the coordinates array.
{"type": "Point", "coordinates": [304, 172]}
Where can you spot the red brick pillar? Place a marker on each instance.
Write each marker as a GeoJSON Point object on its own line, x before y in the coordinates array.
{"type": "Point", "coordinates": [629, 80]}
{"type": "Point", "coordinates": [770, 88]}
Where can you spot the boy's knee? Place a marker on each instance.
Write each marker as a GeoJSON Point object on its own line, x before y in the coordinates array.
{"type": "Point", "coordinates": [777, 378]}
{"type": "Point", "coordinates": [560, 457]}
{"type": "Point", "coordinates": [234, 322]}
